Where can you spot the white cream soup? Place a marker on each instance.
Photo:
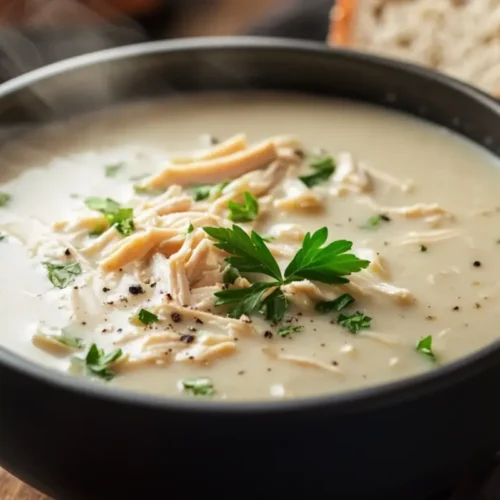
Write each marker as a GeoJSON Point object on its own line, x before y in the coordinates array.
{"type": "Point", "coordinates": [118, 284]}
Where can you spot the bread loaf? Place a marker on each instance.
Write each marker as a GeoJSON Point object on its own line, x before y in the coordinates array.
{"type": "Point", "coordinates": [459, 37]}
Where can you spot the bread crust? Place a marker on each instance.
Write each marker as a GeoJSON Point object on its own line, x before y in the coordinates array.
{"type": "Point", "coordinates": [342, 23]}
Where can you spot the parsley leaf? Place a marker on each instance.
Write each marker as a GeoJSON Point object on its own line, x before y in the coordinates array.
{"type": "Point", "coordinates": [206, 191]}
{"type": "Point", "coordinates": [73, 342]}
{"type": "Point", "coordinates": [146, 317]}
{"type": "Point", "coordinates": [199, 386]}
{"type": "Point", "coordinates": [243, 212]}
{"type": "Point", "coordinates": [4, 199]}
{"type": "Point", "coordinates": [230, 275]}
{"type": "Point", "coordinates": [98, 230]}
{"type": "Point", "coordinates": [324, 166]}
{"type": "Point", "coordinates": [243, 300]}
{"type": "Point", "coordinates": [201, 192]}
{"type": "Point", "coordinates": [423, 248]}
{"type": "Point", "coordinates": [274, 306]}
{"type": "Point", "coordinates": [324, 264]}
{"type": "Point", "coordinates": [375, 220]}
{"type": "Point", "coordinates": [247, 253]}
{"type": "Point", "coordinates": [118, 217]}
{"type": "Point", "coordinates": [283, 332]}
{"type": "Point", "coordinates": [190, 228]}
{"type": "Point", "coordinates": [98, 362]}
{"type": "Point", "coordinates": [61, 275]}
{"type": "Point", "coordinates": [2, 237]}
{"type": "Point", "coordinates": [424, 346]}
{"type": "Point", "coordinates": [338, 304]}
{"type": "Point", "coordinates": [112, 170]}
{"type": "Point", "coordinates": [354, 322]}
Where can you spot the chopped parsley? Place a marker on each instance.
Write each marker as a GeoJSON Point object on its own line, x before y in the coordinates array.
{"type": "Point", "coordinates": [4, 199]}
{"type": "Point", "coordinates": [206, 191]}
{"type": "Point", "coordinates": [336, 305]}
{"type": "Point", "coordinates": [249, 254]}
{"type": "Point", "coordinates": [324, 166]}
{"type": "Point", "coordinates": [423, 248]}
{"type": "Point", "coordinates": [375, 220]}
{"type": "Point", "coordinates": [2, 237]}
{"type": "Point", "coordinates": [354, 322]}
{"type": "Point", "coordinates": [146, 317]}
{"type": "Point", "coordinates": [62, 275]}
{"type": "Point", "coordinates": [190, 228]}
{"type": "Point", "coordinates": [117, 216]}
{"type": "Point", "coordinates": [283, 332]}
{"type": "Point", "coordinates": [98, 363]}
{"type": "Point", "coordinates": [98, 230]}
{"type": "Point", "coordinates": [201, 192]}
{"type": "Point", "coordinates": [244, 212]}
{"type": "Point", "coordinates": [230, 275]}
{"type": "Point", "coordinates": [199, 386]}
{"type": "Point", "coordinates": [424, 346]}
{"type": "Point", "coordinates": [73, 342]}
{"type": "Point", "coordinates": [112, 170]}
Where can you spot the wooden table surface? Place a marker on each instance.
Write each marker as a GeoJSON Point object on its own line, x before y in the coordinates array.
{"type": "Point", "coordinates": [223, 17]}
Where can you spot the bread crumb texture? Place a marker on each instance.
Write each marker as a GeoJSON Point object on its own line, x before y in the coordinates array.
{"type": "Point", "coordinates": [459, 37]}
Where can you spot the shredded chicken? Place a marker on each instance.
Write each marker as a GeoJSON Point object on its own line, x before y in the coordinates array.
{"type": "Point", "coordinates": [216, 170]}
{"type": "Point", "coordinates": [169, 267]}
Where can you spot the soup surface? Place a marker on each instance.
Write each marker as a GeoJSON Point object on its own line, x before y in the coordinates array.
{"type": "Point", "coordinates": [116, 232]}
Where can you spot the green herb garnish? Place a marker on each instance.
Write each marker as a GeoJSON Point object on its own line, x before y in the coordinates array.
{"type": "Point", "coordinates": [283, 332]}
{"type": "Point", "coordinates": [98, 230]}
{"type": "Point", "coordinates": [73, 342]}
{"type": "Point", "coordinates": [146, 317]}
{"type": "Point", "coordinates": [2, 237]}
{"type": "Point", "coordinates": [206, 191]}
{"type": "Point", "coordinates": [324, 166]}
{"type": "Point", "coordinates": [4, 199]}
{"type": "Point", "coordinates": [118, 217]}
{"type": "Point", "coordinates": [354, 322]}
{"type": "Point", "coordinates": [112, 170]}
{"type": "Point", "coordinates": [230, 275]}
{"type": "Point", "coordinates": [424, 346]}
{"type": "Point", "coordinates": [61, 275]}
{"type": "Point", "coordinates": [375, 220]}
{"type": "Point", "coordinates": [98, 362]}
{"type": "Point", "coordinates": [199, 386]}
{"type": "Point", "coordinates": [423, 248]}
{"type": "Point", "coordinates": [244, 212]}
{"type": "Point", "coordinates": [249, 254]}
{"type": "Point", "coordinates": [190, 228]}
{"type": "Point", "coordinates": [336, 305]}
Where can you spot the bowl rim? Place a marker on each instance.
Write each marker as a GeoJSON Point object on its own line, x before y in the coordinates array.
{"type": "Point", "coordinates": [348, 401]}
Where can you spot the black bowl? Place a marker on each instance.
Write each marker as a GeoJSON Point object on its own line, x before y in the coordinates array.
{"type": "Point", "coordinates": [76, 440]}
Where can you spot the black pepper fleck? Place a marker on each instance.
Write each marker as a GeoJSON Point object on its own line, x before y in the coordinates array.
{"type": "Point", "coordinates": [199, 321]}
{"type": "Point", "coordinates": [476, 263]}
{"type": "Point", "coordinates": [335, 363]}
{"type": "Point", "coordinates": [241, 372]}
{"type": "Point", "coordinates": [105, 290]}
{"type": "Point", "coordinates": [67, 252]}
{"type": "Point", "coordinates": [169, 297]}
{"type": "Point", "coordinates": [176, 317]}
{"type": "Point", "coordinates": [187, 338]}
{"type": "Point", "coordinates": [268, 334]}
{"type": "Point", "coordinates": [192, 329]}
{"type": "Point", "coordinates": [136, 289]}
{"type": "Point", "coordinates": [152, 285]}
{"type": "Point", "coordinates": [385, 218]}
{"type": "Point", "coordinates": [477, 305]}
{"type": "Point", "coordinates": [456, 308]}
{"type": "Point", "coordinates": [430, 317]}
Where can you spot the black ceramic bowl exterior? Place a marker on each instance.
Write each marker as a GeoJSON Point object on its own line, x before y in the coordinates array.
{"type": "Point", "coordinates": [76, 440]}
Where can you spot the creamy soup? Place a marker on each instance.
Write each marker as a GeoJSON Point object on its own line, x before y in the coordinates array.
{"type": "Point", "coordinates": [164, 247]}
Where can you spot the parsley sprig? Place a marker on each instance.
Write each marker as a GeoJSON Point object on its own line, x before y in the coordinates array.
{"type": "Point", "coordinates": [244, 212]}
{"type": "Point", "coordinates": [120, 218]}
{"type": "Point", "coordinates": [250, 254]}
{"type": "Point", "coordinates": [324, 168]}
{"type": "Point", "coordinates": [62, 275]}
